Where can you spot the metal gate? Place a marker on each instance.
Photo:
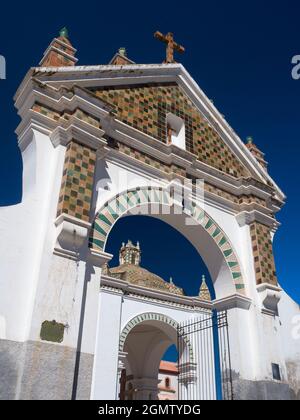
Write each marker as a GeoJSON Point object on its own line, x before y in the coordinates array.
{"type": "Point", "coordinates": [204, 366]}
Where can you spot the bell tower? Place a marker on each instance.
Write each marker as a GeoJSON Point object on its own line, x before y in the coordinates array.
{"type": "Point", "coordinates": [130, 254]}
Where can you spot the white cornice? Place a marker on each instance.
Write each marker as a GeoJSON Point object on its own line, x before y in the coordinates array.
{"type": "Point", "coordinates": [248, 217]}
{"type": "Point", "coordinates": [231, 302]}
{"type": "Point", "coordinates": [62, 131]}
{"type": "Point", "coordinates": [60, 101]}
{"type": "Point", "coordinates": [132, 290]}
{"type": "Point", "coordinates": [76, 129]}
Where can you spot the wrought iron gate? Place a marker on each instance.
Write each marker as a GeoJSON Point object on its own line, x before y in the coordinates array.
{"type": "Point", "coordinates": [204, 366]}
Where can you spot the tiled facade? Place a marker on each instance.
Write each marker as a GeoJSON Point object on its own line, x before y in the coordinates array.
{"type": "Point", "coordinates": [263, 254]}
{"type": "Point", "coordinates": [145, 107]}
{"type": "Point", "coordinates": [77, 181]}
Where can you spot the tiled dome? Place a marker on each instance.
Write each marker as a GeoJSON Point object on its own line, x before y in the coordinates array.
{"type": "Point", "coordinates": [130, 270]}
{"type": "Point", "coordinates": [139, 276]}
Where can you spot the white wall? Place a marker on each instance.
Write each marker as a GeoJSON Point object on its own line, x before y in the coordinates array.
{"type": "Point", "coordinates": [23, 228]}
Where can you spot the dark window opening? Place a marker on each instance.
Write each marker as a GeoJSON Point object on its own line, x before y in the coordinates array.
{"type": "Point", "coordinates": [276, 372]}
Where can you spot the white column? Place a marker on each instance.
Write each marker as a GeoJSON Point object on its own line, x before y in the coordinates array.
{"type": "Point", "coordinates": [240, 337]}
{"type": "Point", "coordinates": [121, 366]}
{"type": "Point", "coordinates": [188, 381]}
{"type": "Point", "coordinates": [106, 362]}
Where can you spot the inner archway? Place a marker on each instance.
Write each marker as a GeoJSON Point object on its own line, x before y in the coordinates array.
{"type": "Point", "coordinates": [144, 341]}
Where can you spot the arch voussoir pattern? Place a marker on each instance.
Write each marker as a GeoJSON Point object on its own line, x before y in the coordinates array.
{"type": "Point", "coordinates": [153, 316]}
{"type": "Point", "coordinates": [122, 203]}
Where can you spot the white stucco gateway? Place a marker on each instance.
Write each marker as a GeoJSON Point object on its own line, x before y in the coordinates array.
{"type": "Point", "coordinates": [103, 142]}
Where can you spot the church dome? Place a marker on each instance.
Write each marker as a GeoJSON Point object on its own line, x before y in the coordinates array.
{"type": "Point", "coordinates": [130, 270]}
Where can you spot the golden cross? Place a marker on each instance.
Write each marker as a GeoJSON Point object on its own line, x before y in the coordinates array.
{"type": "Point", "coordinates": [171, 45]}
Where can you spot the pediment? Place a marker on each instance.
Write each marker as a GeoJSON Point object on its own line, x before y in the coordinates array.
{"type": "Point", "coordinates": [142, 95]}
{"type": "Point", "coordinates": [145, 107]}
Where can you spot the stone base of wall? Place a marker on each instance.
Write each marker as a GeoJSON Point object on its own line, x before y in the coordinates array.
{"type": "Point", "coordinates": [43, 371]}
{"type": "Point", "coordinates": [261, 390]}
{"type": "Point", "coordinates": [293, 371]}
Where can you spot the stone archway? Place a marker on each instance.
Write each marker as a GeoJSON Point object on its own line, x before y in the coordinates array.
{"type": "Point", "coordinates": [144, 340]}
{"type": "Point", "coordinates": [152, 316]}
{"type": "Point", "coordinates": [220, 258]}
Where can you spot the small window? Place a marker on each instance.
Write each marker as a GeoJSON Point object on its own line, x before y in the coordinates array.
{"type": "Point", "coordinates": [175, 131]}
{"type": "Point", "coordinates": [167, 382]}
{"type": "Point", "coordinates": [276, 372]}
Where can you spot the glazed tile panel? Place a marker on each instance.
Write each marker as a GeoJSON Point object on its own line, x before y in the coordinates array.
{"type": "Point", "coordinates": [263, 254]}
{"type": "Point", "coordinates": [77, 181]}
{"type": "Point", "coordinates": [145, 107]}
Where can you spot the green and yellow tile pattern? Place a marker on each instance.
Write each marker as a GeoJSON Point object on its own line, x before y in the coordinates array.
{"type": "Point", "coordinates": [263, 254]}
{"type": "Point", "coordinates": [77, 181]}
{"type": "Point", "coordinates": [145, 107]}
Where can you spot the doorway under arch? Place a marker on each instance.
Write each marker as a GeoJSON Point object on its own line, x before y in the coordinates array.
{"type": "Point", "coordinates": [145, 340]}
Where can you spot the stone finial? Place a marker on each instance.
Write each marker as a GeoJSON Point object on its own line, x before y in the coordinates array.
{"type": "Point", "coordinates": [105, 269]}
{"type": "Point", "coordinates": [64, 33]}
{"type": "Point", "coordinates": [204, 293]}
{"type": "Point", "coordinates": [120, 58]}
{"type": "Point", "coordinates": [258, 154]}
{"type": "Point", "coordinates": [123, 52]}
{"type": "Point", "coordinates": [60, 52]}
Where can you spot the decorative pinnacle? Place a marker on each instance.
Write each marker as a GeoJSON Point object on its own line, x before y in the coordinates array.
{"type": "Point", "coordinates": [249, 140]}
{"type": "Point", "coordinates": [64, 33]}
{"type": "Point", "coordinates": [122, 51]}
{"type": "Point", "coordinates": [204, 291]}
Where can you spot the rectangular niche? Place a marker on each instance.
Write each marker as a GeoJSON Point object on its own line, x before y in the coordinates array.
{"type": "Point", "coordinates": [175, 130]}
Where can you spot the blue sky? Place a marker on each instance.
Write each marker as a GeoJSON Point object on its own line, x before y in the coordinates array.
{"type": "Point", "coordinates": [240, 54]}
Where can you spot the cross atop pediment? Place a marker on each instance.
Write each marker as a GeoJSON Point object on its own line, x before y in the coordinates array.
{"type": "Point", "coordinates": [171, 45]}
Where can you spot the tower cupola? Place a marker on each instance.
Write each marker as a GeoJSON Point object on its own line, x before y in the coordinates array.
{"type": "Point", "coordinates": [130, 254]}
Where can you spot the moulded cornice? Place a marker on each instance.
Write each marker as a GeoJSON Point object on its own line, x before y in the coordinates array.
{"type": "Point", "coordinates": [133, 290]}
